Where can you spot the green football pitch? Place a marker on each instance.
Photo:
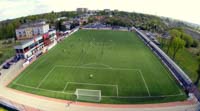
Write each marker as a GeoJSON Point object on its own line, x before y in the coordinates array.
{"type": "Point", "coordinates": [116, 63]}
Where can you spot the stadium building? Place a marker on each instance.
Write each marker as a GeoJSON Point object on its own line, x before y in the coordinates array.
{"type": "Point", "coordinates": [36, 45]}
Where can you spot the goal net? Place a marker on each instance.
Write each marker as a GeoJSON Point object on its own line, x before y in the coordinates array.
{"type": "Point", "coordinates": [88, 95]}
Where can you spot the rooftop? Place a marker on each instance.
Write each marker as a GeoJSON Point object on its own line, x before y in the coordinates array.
{"type": "Point", "coordinates": [33, 24]}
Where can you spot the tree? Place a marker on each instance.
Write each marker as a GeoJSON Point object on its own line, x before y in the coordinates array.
{"type": "Point", "coordinates": [58, 25]}
{"type": "Point", "coordinates": [173, 33]}
{"type": "Point", "coordinates": [177, 44]}
{"type": "Point", "coordinates": [188, 39]}
{"type": "Point", "coordinates": [92, 19]}
{"type": "Point", "coordinates": [118, 21]}
{"type": "Point", "coordinates": [198, 74]}
{"type": "Point", "coordinates": [162, 41]}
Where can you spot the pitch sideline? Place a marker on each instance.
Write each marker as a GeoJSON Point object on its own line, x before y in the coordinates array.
{"type": "Point", "coordinates": [31, 87]}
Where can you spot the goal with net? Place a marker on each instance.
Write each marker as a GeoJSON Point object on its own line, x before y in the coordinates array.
{"type": "Point", "coordinates": [88, 95]}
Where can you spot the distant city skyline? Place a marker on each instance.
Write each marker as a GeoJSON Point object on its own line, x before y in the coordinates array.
{"type": "Point", "coordinates": [186, 10]}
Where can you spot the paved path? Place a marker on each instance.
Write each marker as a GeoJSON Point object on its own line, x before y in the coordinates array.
{"type": "Point", "coordinates": [49, 104]}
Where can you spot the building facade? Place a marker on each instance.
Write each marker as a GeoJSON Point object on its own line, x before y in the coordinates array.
{"type": "Point", "coordinates": [36, 45]}
{"type": "Point", "coordinates": [67, 24]}
{"type": "Point", "coordinates": [82, 10]}
{"type": "Point", "coordinates": [27, 31]}
{"type": "Point", "coordinates": [107, 10]}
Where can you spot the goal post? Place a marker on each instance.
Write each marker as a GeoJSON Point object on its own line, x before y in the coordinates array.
{"type": "Point", "coordinates": [88, 95]}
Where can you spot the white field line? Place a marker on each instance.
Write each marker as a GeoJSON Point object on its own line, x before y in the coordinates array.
{"type": "Point", "coordinates": [173, 81]}
{"type": "Point", "coordinates": [117, 90]}
{"type": "Point", "coordinates": [65, 87]}
{"type": "Point", "coordinates": [98, 84]}
{"type": "Point", "coordinates": [173, 95]}
{"type": "Point", "coordinates": [42, 89]}
{"type": "Point", "coordinates": [138, 70]}
{"type": "Point", "coordinates": [95, 67]}
{"type": "Point", "coordinates": [144, 82]}
{"type": "Point", "coordinates": [97, 64]}
{"type": "Point", "coordinates": [91, 84]}
{"type": "Point", "coordinates": [30, 70]}
{"type": "Point", "coordinates": [45, 77]}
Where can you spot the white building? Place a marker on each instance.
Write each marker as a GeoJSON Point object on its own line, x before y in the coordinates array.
{"type": "Point", "coordinates": [27, 31]}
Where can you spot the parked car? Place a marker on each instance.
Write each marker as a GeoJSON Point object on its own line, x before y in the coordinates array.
{"type": "Point", "coordinates": [15, 59]}
{"type": "Point", "coordinates": [6, 66]}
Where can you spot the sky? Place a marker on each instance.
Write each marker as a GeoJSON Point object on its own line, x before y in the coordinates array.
{"type": "Point", "coordinates": [186, 10]}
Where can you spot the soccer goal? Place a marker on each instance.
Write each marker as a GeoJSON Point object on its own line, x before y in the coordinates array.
{"type": "Point", "coordinates": [88, 95]}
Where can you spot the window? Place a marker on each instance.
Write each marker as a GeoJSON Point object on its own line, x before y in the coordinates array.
{"type": "Point", "coordinates": [40, 41]}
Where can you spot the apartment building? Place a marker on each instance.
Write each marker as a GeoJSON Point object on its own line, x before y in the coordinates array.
{"type": "Point", "coordinates": [27, 31]}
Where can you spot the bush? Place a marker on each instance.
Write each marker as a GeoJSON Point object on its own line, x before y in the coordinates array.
{"type": "Point", "coordinates": [195, 43]}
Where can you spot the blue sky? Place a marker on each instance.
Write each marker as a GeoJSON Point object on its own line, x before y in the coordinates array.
{"type": "Point", "coordinates": [187, 10]}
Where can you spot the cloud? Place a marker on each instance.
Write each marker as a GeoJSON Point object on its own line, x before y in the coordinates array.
{"type": "Point", "coordinates": [187, 10]}
{"type": "Point", "coordinates": [17, 8]}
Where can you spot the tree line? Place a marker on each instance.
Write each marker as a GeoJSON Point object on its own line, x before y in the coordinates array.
{"type": "Point", "coordinates": [143, 21]}
{"type": "Point", "coordinates": [179, 40]}
{"type": "Point", "coordinates": [7, 27]}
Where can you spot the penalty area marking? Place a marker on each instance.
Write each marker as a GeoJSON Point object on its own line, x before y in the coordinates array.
{"type": "Point", "coordinates": [138, 70]}
{"type": "Point", "coordinates": [45, 77]}
{"type": "Point", "coordinates": [91, 84]}
{"type": "Point", "coordinates": [141, 74]}
{"type": "Point", "coordinates": [95, 67]}
{"type": "Point", "coordinates": [117, 92]}
{"type": "Point", "coordinates": [97, 64]}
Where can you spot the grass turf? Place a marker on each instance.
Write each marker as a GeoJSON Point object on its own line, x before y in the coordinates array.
{"type": "Point", "coordinates": [123, 68]}
{"type": "Point", "coordinates": [7, 51]}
